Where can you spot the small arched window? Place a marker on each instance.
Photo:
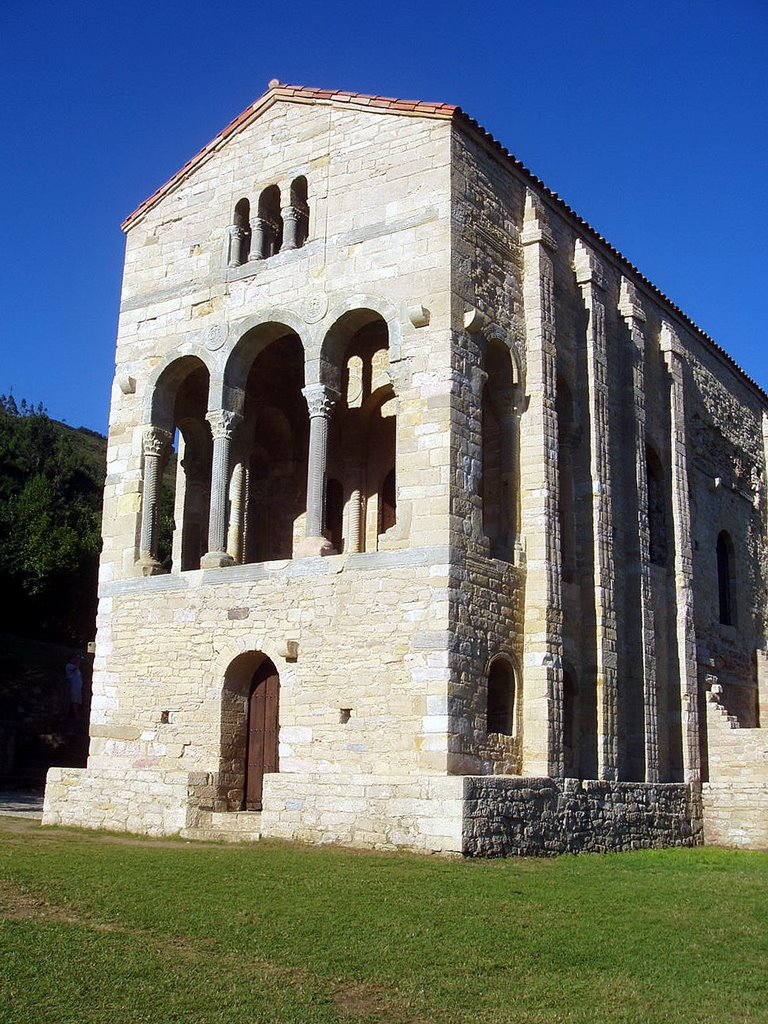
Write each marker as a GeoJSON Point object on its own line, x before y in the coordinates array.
{"type": "Point", "coordinates": [268, 229]}
{"type": "Point", "coordinates": [240, 234]}
{"type": "Point", "coordinates": [725, 579]}
{"type": "Point", "coordinates": [297, 215]}
{"type": "Point", "coordinates": [501, 698]}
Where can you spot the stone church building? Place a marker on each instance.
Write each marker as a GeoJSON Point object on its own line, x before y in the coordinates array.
{"type": "Point", "coordinates": [468, 520]}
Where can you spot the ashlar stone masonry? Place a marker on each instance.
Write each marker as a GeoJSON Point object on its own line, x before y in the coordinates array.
{"type": "Point", "coordinates": [469, 521]}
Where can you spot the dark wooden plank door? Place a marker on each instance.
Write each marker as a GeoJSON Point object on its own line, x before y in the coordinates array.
{"type": "Point", "coordinates": [261, 750]}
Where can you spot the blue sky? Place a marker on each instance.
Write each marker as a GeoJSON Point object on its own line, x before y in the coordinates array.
{"type": "Point", "coordinates": [650, 119]}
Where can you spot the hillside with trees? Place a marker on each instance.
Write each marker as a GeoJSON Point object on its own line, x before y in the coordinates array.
{"type": "Point", "coordinates": [51, 482]}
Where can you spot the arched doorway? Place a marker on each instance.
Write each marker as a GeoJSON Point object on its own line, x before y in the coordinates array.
{"type": "Point", "coordinates": [261, 749]}
{"type": "Point", "coordinates": [250, 711]}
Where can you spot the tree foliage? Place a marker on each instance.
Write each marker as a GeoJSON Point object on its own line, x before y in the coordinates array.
{"type": "Point", "coordinates": [51, 481]}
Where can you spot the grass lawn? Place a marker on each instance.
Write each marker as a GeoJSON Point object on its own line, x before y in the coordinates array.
{"type": "Point", "coordinates": [100, 929]}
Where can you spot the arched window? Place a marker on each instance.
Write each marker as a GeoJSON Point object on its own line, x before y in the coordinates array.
{"type": "Point", "coordinates": [657, 518]}
{"type": "Point", "coordinates": [268, 228]}
{"type": "Point", "coordinates": [297, 215]}
{"type": "Point", "coordinates": [240, 234]}
{"type": "Point", "coordinates": [501, 698]}
{"type": "Point", "coordinates": [499, 451]}
{"type": "Point", "coordinates": [725, 580]}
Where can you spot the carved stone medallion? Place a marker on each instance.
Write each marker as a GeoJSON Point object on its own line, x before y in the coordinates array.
{"type": "Point", "coordinates": [314, 308]}
{"type": "Point", "coordinates": [215, 337]}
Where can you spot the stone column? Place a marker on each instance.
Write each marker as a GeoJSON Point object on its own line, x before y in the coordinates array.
{"type": "Point", "coordinates": [631, 310]}
{"type": "Point", "coordinates": [591, 281]}
{"type": "Point", "coordinates": [294, 219]}
{"type": "Point", "coordinates": [543, 657]}
{"type": "Point", "coordinates": [320, 401]}
{"type": "Point", "coordinates": [353, 473]}
{"type": "Point", "coordinates": [260, 238]}
{"type": "Point", "coordinates": [236, 529]}
{"type": "Point", "coordinates": [239, 238]}
{"type": "Point", "coordinates": [223, 425]}
{"type": "Point", "coordinates": [156, 444]}
{"type": "Point", "coordinates": [685, 635]}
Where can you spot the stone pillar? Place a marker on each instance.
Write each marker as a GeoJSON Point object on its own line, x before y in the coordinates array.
{"type": "Point", "coordinates": [156, 444]}
{"type": "Point", "coordinates": [631, 310]}
{"type": "Point", "coordinates": [239, 240]}
{"type": "Point", "coordinates": [260, 238]}
{"type": "Point", "coordinates": [223, 425]}
{"type": "Point", "coordinates": [236, 529]}
{"type": "Point", "coordinates": [320, 401]}
{"type": "Point", "coordinates": [591, 280]}
{"type": "Point", "coordinates": [294, 230]}
{"type": "Point", "coordinates": [543, 623]}
{"type": "Point", "coordinates": [685, 635]}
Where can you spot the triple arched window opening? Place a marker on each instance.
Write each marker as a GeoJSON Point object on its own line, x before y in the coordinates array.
{"type": "Point", "coordinates": [274, 228]}
{"type": "Point", "coordinates": [246, 487]}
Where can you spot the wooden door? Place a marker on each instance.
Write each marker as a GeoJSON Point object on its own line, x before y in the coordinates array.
{"type": "Point", "coordinates": [261, 747]}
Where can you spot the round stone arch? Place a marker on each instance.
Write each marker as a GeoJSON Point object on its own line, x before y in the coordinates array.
{"type": "Point", "coordinates": [495, 335]}
{"type": "Point", "coordinates": [163, 385]}
{"type": "Point", "coordinates": [340, 325]}
{"type": "Point", "coordinates": [230, 685]}
{"type": "Point", "coordinates": [254, 334]}
{"type": "Point", "coordinates": [504, 694]}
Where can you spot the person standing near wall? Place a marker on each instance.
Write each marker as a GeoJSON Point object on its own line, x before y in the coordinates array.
{"type": "Point", "coordinates": [75, 684]}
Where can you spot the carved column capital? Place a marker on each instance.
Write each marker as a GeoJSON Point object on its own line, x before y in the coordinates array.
{"type": "Point", "coordinates": [320, 400]}
{"type": "Point", "coordinates": [223, 423]}
{"type": "Point", "coordinates": [155, 441]}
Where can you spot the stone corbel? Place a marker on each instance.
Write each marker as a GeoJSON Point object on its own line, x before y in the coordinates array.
{"type": "Point", "coordinates": [474, 320]}
{"type": "Point", "coordinates": [630, 303]}
{"type": "Point", "coordinates": [535, 224]}
{"type": "Point", "coordinates": [126, 383]}
{"type": "Point", "coordinates": [418, 315]}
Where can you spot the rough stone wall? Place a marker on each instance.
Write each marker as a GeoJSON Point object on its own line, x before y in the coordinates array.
{"type": "Point", "coordinates": [542, 817]}
{"type": "Point", "coordinates": [619, 587]}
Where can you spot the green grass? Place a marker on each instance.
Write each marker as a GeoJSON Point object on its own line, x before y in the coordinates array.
{"type": "Point", "coordinates": [95, 929]}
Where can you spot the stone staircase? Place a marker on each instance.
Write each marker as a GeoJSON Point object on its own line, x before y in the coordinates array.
{"type": "Point", "coordinates": [226, 827]}
{"type": "Point", "coordinates": [735, 800]}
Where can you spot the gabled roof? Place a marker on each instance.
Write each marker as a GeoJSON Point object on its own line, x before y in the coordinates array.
{"type": "Point", "coordinates": [277, 91]}
{"type": "Point", "coordinates": [291, 94]}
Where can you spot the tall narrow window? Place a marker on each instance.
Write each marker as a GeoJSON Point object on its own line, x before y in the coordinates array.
{"type": "Point", "coordinates": [657, 520]}
{"type": "Point", "coordinates": [725, 582]}
{"type": "Point", "coordinates": [501, 699]}
{"type": "Point", "coordinates": [499, 487]}
{"type": "Point", "coordinates": [567, 511]}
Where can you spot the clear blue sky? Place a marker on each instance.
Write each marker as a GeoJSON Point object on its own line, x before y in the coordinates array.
{"type": "Point", "coordinates": [650, 119]}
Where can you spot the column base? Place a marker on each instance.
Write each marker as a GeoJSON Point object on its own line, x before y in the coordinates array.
{"type": "Point", "coordinates": [150, 567]}
{"type": "Point", "coordinates": [310, 546]}
{"type": "Point", "coordinates": [216, 560]}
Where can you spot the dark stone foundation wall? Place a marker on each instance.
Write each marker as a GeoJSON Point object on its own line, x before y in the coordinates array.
{"type": "Point", "coordinates": [526, 817]}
